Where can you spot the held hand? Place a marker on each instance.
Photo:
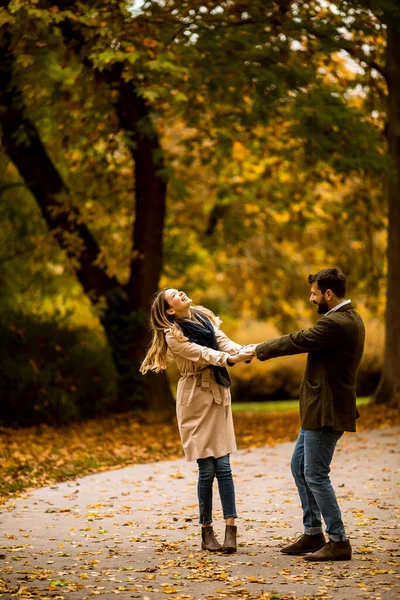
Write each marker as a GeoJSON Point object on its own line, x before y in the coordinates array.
{"type": "Point", "coordinates": [244, 355]}
{"type": "Point", "coordinates": [250, 348]}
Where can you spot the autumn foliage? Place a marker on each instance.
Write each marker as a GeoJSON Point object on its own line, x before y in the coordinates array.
{"type": "Point", "coordinates": [44, 455]}
{"type": "Point", "coordinates": [226, 151]}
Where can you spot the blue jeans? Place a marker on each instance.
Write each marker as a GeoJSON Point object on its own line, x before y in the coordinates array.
{"type": "Point", "coordinates": [310, 465]}
{"type": "Point", "coordinates": [220, 468]}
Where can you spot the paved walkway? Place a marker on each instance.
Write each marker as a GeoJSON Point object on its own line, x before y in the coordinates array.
{"type": "Point", "coordinates": [133, 532]}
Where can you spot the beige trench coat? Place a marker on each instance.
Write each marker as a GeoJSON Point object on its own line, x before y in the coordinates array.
{"type": "Point", "coordinates": [203, 407]}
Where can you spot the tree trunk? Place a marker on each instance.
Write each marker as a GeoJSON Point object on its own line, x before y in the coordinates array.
{"type": "Point", "coordinates": [147, 255]}
{"type": "Point", "coordinates": [127, 327]}
{"type": "Point", "coordinates": [125, 319]}
{"type": "Point", "coordinates": [388, 391]}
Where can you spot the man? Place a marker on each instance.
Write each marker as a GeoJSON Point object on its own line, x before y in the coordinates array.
{"type": "Point", "coordinates": [327, 409]}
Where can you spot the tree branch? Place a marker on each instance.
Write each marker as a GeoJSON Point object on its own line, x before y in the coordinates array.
{"type": "Point", "coordinates": [348, 46]}
{"type": "Point", "coordinates": [9, 186]}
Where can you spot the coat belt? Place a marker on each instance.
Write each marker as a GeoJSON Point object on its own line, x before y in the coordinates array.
{"type": "Point", "coordinates": [204, 379]}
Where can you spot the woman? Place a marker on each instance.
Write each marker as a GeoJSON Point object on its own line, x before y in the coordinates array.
{"type": "Point", "coordinates": [191, 335]}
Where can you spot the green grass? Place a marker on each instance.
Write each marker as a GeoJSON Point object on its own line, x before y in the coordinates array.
{"type": "Point", "coordinates": [276, 405]}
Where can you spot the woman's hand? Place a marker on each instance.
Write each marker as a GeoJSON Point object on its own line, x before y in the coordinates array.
{"type": "Point", "coordinates": [245, 354]}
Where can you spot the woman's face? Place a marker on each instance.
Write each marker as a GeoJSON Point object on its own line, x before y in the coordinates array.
{"type": "Point", "coordinates": [178, 302]}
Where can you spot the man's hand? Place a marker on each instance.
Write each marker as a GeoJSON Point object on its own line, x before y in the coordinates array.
{"type": "Point", "coordinates": [246, 354]}
{"type": "Point", "coordinates": [250, 348]}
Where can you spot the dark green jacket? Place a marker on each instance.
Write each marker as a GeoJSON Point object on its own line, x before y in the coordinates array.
{"type": "Point", "coordinates": [328, 389]}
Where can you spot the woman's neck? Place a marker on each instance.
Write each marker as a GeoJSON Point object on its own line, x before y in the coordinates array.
{"type": "Point", "coordinates": [184, 315]}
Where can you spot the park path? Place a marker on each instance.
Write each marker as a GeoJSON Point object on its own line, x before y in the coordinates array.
{"type": "Point", "coordinates": [133, 532]}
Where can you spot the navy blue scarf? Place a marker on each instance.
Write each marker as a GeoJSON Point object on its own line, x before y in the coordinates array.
{"type": "Point", "coordinates": [204, 336]}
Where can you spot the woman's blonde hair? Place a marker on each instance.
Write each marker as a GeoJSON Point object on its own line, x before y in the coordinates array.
{"type": "Point", "coordinates": [161, 323]}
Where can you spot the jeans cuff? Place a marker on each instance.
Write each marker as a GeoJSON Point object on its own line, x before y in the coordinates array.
{"type": "Point", "coordinates": [337, 537]}
{"type": "Point", "coordinates": [312, 530]}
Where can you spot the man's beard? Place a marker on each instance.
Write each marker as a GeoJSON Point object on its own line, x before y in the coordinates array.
{"type": "Point", "coordinates": [322, 309]}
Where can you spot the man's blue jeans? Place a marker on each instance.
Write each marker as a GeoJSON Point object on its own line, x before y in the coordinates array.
{"type": "Point", "coordinates": [310, 465]}
{"type": "Point", "coordinates": [220, 468]}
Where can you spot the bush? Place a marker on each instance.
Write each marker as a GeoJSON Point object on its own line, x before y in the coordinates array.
{"type": "Point", "coordinates": [278, 379]}
{"type": "Point", "coordinates": [50, 372]}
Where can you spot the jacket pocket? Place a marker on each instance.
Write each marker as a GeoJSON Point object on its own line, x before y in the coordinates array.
{"type": "Point", "coordinates": [185, 395]}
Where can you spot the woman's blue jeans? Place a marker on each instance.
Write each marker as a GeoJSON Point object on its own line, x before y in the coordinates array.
{"type": "Point", "coordinates": [310, 465]}
{"type": "Point", "coordinates": [209, 468]}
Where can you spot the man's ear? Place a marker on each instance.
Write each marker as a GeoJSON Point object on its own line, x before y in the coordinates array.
{"type": "Point", "coordinates": [170, 311]}
{"type": "Point", "coordinates": [329, 294]}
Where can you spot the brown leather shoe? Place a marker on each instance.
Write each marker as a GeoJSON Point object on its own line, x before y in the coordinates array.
{"type": "Point", "coordinates": [229, 546]}
{"type": "Point", "coordinates": [305, 543]}
{"type": "Point", "coordinates": [332, 551]}
{"type": "Point", "coordinates": [208, 540]}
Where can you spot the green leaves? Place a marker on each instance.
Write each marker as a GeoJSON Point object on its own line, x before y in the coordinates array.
{"type": "Point", "coordinates": [105, 58]}
{"type": "Point", "coordinates": [336, 133]}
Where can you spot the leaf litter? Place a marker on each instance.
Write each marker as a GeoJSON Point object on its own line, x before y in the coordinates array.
{"type": "Point", "coordinates": [38, 456]}
{"type": "Point", "coordinates": [134, 541]}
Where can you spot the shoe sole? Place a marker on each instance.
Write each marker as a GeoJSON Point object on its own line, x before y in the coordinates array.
{"type": "Point", "coordinates": [328, 559]}
{"type": "Point", "coordinates": [301, 552]}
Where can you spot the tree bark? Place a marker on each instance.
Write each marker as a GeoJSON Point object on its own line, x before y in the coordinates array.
{"type": "Point", "coordinates": [147, 247]}
{"type": "Point", "coordinates": [388, 391]}
{"type": "Point", "coordinates": [125, 318]}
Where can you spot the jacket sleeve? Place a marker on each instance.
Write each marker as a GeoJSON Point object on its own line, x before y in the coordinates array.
{"type": "Point", "coordinates": [225, 344]}
{"type": "Point", "coordinates": [323, 335]}
{"type": "Point", "coordinates": [195, 352]}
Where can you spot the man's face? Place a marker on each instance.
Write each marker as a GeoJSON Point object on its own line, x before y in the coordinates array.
{"type": "Point", "coordinates": [318, 298]}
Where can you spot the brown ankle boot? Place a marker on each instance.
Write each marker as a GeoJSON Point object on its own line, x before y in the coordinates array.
{"type": "Point", "coordinates": [305, 543]}
{"type": "Point", "coordinates": [208, 540]}
{"type": "Point", "coordinates": [331, 551]}
{"type": "Point", "coordinates": [230, 540]}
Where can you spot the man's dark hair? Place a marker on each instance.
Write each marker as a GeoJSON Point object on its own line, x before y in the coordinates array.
{"type": "Point", "coordinates": [329, 279]}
